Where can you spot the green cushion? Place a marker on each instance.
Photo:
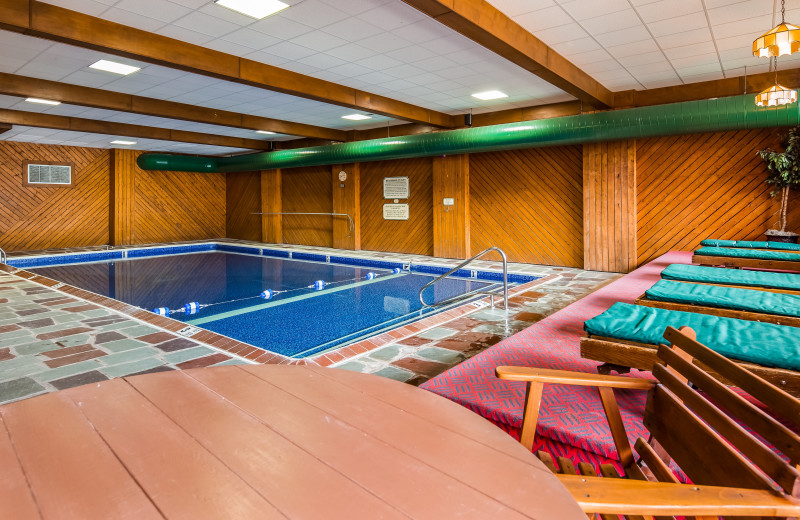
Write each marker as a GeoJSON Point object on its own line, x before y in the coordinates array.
{"type": "Point", "coordinates": [783, 246]}
{"type": "Point", "coordinates": [701, 274]}
{"type": "Point", "coordinates": [747, 253]}
{"type": "Point", "coordinates": [726, 298]}
{"type": "Point", "coordinates": [761, 343]}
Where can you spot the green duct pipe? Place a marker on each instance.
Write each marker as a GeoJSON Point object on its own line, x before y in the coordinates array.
{"type": "Point", "coordinates": [730, 113]}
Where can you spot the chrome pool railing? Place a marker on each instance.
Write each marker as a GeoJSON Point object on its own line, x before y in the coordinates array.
{"type": "Point", "coordinates": [3, 256]}
{"type": "Point", "coordinates": [471, 294]}
{"type": "Point", "coordinates": [351, 224]}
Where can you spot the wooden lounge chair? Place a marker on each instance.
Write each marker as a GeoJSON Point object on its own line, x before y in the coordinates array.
{"type": "Point", "coordinates": [694, 421]}
{"type": "Point", "coordinates": [627, 336]}
{"type": "Point", "coordinates": [747, 258]}
{"type": "Point", "coordinates": [730, 302]}
{"type": "Point", "coordinates": [787, 283]}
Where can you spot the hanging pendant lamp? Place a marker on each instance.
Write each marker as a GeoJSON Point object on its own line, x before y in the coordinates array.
{"type": "Point", "coordinates": [780, 41]}
{"type": "Point", "coordinates": [777, 94]}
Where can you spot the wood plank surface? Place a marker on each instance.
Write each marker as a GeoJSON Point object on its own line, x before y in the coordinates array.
{"type": "Point", "coordinates": [271, 202]}
{"type": "Point", "coordinates": [242, 200]}
{"type": "Point", "coordinates": [609, 204]}
{"type": "Point", "coordinates": [126, 421]}
{"type": "Point", "coordinates": [451, 233]}
{"type": "Point", "coordinates": [529, 204]}
{"type": "Point", "coordinates": [346, 200]}
{"type": "Point", "coordinates": [412, 236]}
{"type": "Point", "coordinates": [307, 190]}
{"type": "Point", "coordinates": [74, 475]}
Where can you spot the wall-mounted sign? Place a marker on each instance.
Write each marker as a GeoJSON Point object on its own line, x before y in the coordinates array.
{"type": "Point", "coordinates": [395, 188]}
{"type": "Point", "coordinates": [395, 212]}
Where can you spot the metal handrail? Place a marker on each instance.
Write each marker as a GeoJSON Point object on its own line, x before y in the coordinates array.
{"type": "Point", "coordinates": [469, 295]}
{"type": "Point", "coordinates": [3, 256]}
{"type": "Point", "coordinates": [351, 224]}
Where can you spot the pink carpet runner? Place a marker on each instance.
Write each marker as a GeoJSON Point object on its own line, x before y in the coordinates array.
{"type": "Point", "coordinates": [571, 420]}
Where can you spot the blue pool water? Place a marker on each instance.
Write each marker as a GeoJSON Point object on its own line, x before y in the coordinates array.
{"type": "Point", "coordinates": [298, 321]}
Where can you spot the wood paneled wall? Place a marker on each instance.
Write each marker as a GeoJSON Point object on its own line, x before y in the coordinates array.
{"type": "Point", "coordinates": [167, 206]}
{"type": "Point", "coordinates": [451, 233]}
{"type": "Point", "coordinates": [307, 190]}
{"type": "Point", "coordinates": [413, 236]}
{"type": "Point", "coordinates": [693, 187]}
{"type": "Point", "coordinates": [609, 206]}
{"type": "Point", "coordinates": [529, 203]}
{"type": "Point", "coordinates": [243, 199]}
{"type": "Point", "coordinates": [33, 217]}
{"type": "Point", "coordinates": [347, 201]}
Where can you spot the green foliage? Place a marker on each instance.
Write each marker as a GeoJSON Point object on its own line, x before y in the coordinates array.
{"type": "Point", "coordinates": [784, 167]}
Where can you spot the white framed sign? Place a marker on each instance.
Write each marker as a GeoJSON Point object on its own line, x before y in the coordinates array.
{"type": "Point", "coordinates": [395, 188]}
{"type": "Point", "coordinates": [395, 212]}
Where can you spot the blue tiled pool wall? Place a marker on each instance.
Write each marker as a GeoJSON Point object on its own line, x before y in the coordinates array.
{"type": "Point", "coordinates": [97, 256]}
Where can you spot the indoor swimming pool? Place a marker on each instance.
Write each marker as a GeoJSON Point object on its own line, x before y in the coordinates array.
{"type": "Point", "coordinates": [295, 307]}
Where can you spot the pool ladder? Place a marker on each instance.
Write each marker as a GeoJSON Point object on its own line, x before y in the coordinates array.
{"type": "Point", "coordinates": [3, 256]}
{"type": "Point", "coordinates": [470, 295]}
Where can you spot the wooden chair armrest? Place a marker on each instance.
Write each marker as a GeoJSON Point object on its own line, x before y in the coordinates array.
{"type": "Point", "coordinates": [565, 377]}
{"type": "Point", "coordinates": [636, 497]}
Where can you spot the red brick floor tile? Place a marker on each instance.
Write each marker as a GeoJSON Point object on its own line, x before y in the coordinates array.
{"type": "Point", "coordinates": [203, 361]}
{"type": "Point", "coordinates": [9, 328]}
{"type": "Point", "coordinates": [456, 344]}
{"type": "Point", "coordinates": [68, 351]}
{"type": "Point", "coordinates": [75, 358]}
{"type": "Point", "coordinates": [60, 301]}
{"type": "Point", "coordinates": [157, 337]}
{"type": "Point", "coordinates": [464, 323]}
{"type": "Point", "coordinates": [421, 367]}
{"type": "Point", "coordinates": [63, 333]}
{"type": "Point", "coordinates": [81, 308]}
{"type": "Point", "coordinates": [5, 354]}
{"type": "Point", "coordinates": [414, 341]}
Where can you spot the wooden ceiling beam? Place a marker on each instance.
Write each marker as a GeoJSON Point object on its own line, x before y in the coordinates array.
{"type": "Point", "coordinates": [4, 128]}
{"type": "Point", "coordinates": [13, 85]}
{"type": "Point", "coordinates": [736, 86]}
{"type": "Point", "coordinates": [484, 24]}
{"type": "Point", "coordinates": [48, 21]}
{"type": "Point", "coordinates": [76, 124]}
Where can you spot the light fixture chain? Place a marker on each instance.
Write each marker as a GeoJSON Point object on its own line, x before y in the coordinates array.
{"type": "Point", "coordinates": [783, 11]}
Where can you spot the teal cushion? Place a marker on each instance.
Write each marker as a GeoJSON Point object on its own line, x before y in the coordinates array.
{"type": "Point", "coordinates": [701, 274]}
{"type": "Point", "coordinates": [762, 343]}
{"type": "Point", "coordinates": [725, 298]}
{"type": "Point", "coordinates": [747, 253]}
{"type": "Point", "coordinates": [783, 246]}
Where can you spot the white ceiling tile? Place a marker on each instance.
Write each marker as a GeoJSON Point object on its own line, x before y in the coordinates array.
{"type": "Point", "coordinates": [546, 18]}
{"type": "Point", "coordinates": [206, 24]}
{"type": "Point", "coordinates": [611, 22]}
{"type": "Point", "coordinates": [696, 36]}
{"type": "Point", "coordinates": [562, 33]}
{"type": "Point", "coordinates": [583, 10]}
{"type": "Point", "coordinates": [514, 8]}
{"type": "Point", "coordinates": [667, 9]}
{"type": "Point", "coordinates": [289, 51]}
{"type": "Point", "coordinates": [319, 41]}
{"type": "Point", "coordinates": [678, 24]}
{"type": "Point", "coordinates": [629, 35]}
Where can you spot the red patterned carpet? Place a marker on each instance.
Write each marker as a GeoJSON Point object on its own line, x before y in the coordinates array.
{"type": "Point", "coordinates": [571, 421]}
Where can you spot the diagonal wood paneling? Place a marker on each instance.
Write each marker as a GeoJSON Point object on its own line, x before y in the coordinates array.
{"type": "Point", "coordinates": [692, 187]}
{"type": "Point", "coordinates": [529, 203]}
{"type": "Point", "coordinates": [44, 217]}
{"type": "Point", "coordinates": [413, 236]}
{"type": "Point", "coordinates": [243, 198]}
{"type": "Point", "coordinates": [178, 206]}
{"type": "Point", "coordinates": [307, 190]}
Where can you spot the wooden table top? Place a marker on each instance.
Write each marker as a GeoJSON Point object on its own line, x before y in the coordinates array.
{"type": "Point", "coordinates": [264, 441]}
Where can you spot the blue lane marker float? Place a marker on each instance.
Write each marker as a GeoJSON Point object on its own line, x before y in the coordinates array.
{"type": "Point", "coordinates": [192, 308]}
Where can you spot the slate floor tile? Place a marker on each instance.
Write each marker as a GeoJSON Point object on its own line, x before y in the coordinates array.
{"type": "Point", "coordinates": [79, 379]}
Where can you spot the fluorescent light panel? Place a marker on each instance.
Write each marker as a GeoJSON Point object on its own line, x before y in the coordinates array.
{"type": "Point", "coordinates": [257, 9]}
{"type": "Point", "coordinates": [356, 117]}
{"type": "Point", "coordinates": [265, 132]}
{"type": "Point", "coordinates": [116, 68]}
{"type": "Point", "coordinates": [42, 101]}
{"type": "Point", "coordinates": [490, 94]}
{"type": "Point", "coordinates": [126, 143]}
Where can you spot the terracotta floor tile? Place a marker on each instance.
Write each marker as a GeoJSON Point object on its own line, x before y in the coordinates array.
{"type": "Point", "coordinates": [157, 337]}
{"type": "Point", "coordinates": [61, 301]}
{"type": "Point", "coordinates": [63, 333]}
{"type": "Point", "coordinates": [5, 354]}
{"type": "Point", "coordinates": [456, 344]}
{"type": "Point", "coordinates": [421, 367]}
{"type": "Point", "coordinates": [68, 351]}
{"type": "Point", "coordinates": [203, 361]}
{"type": "Point", "coordinates": [414, 341]}
{"type": "Point", "coordinates": [9, 328]}
{"type": "Point", "coordinates": [75, 358]}
{"type": "Point", "coordinates": [81, 308]}
{"type": "Point", "coordinates": [530, 317]}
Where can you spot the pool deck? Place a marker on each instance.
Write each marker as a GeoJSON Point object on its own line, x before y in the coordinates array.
{"type": "Point", "coordinates": [54, 336]}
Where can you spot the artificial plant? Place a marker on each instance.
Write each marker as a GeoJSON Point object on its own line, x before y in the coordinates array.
{"type": "Point", "coordinates": [784, 173]}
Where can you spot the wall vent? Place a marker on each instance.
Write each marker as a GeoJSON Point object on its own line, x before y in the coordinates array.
{"type": "Point", "coordinates": [60, 174]}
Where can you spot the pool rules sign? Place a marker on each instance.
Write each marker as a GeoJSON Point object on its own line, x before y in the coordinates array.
{"type": "Point", "coordinates": [395, 188]}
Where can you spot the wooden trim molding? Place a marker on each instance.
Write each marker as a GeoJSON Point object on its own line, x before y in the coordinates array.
{"type": "Point", "coordinates": [25, 176]}
{"type": "Point", "coordinates": [13, 85]}
{"type": "Point", "coordinates": [48, 21]}
{"type": "Point", "coordinates": [91, 126]}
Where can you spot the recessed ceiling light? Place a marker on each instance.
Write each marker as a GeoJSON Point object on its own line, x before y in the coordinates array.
{"type": "Point", "coordinates": [42, 101]}
{"type": "Point", "coordinates": [489, 94]}
{"type": "Point", "coordinates": [116, 68]}
{"type": "Point", "coordinates": [266, 132]}
{"type": "Point", "coordinates": [357, 117]}
{"type": "Point", "coordinates": [257, 9]}
{"type": "Point", "coordinates": [126, 143]}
